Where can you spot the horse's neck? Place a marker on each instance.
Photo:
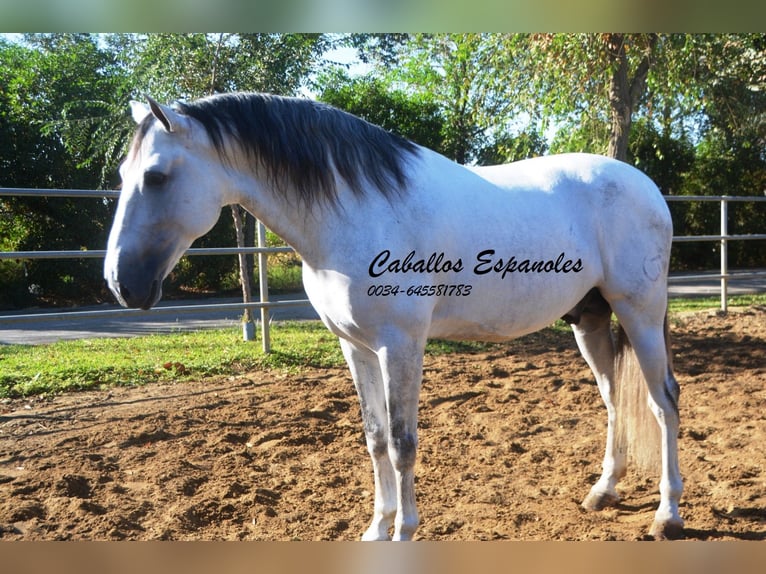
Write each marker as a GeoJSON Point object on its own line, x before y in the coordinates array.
{"type": "Point", "coordinates": [323, 232]}
{"type": "Point", "coordinates": [305, 229]}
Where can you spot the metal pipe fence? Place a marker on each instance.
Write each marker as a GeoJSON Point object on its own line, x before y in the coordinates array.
{"type": "Point", "coordinates": [262, 252]}
{"type": "Point", "coordinates": [724, 238]}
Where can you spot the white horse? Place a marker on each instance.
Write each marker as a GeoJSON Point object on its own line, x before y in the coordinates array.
{"type": "Point", "coordinates": [400, 244]}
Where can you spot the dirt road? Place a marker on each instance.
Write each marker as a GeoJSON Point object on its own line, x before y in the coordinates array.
{"type": "Point", "coordinates": [511, 439]}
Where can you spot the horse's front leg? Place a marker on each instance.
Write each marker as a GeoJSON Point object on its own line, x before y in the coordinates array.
{"type": "Point", "coordinates": [368, 380]}
{"type": "Point", "coordinates": [401, 362]}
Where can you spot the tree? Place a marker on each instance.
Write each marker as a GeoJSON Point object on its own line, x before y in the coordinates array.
{"type": "Point", "coordinates": [595, 82]}
{"type": "Point", "coordinates": [625, 89]}
{"type": "Point", "coordinates": [459, 73]}
{"type": "Point", "coordinates": [735, 89]}
{"type": "Point", "coordinates": [508, 147]}
{"type": "Point", "coordinates": [47, 78]}
{"type": "Point", "coordinates": [64, 123]}
{"type": "Point", "coordinates": [412, 115]}
{"type": "Point", "coordinates": [189, 66]}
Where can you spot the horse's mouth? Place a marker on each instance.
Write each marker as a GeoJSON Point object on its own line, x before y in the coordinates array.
{"type": "Point", "coordinates": [128, 298]}
{"type": "Point", "coordinates": [153, 296]}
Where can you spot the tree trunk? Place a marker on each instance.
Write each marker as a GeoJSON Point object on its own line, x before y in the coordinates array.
{"type": "Point", "coordinates": [249, 232]}
{"type": "Point", "coordinates": [625, 92]}
{"type": "Point", "coordinates": [619, 100]}
{"type": "Point", "coordinates": [244, 275]}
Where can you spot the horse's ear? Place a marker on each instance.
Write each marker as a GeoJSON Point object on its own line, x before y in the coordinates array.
{"type": "Point", "coordinates": [139, 111]}
{"type": "Point", "coordinates": [167, 116]}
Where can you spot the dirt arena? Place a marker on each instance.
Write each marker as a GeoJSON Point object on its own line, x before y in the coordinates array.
{"type": "Point", "coordinates": [510, 441]}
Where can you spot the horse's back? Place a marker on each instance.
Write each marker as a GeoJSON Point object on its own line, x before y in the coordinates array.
{"type": "Point", "coordinates": [612, 201]}
{"type": "Point", "coordinates": [616, 205]}
{"type": "Point", "coordinates": [579, 173]}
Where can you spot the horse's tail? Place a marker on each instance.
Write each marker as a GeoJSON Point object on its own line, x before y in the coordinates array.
{"type": "Point", "coordinates": [636, 429]}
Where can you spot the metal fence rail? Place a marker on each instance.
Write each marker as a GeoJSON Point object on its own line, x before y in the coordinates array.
{"type": "Point", "coordinates": [262, 252]}
{"type": "Point", "coordinates": [100, 253]}
{"type": "Point", "coordinates": [725, 274]}
{"type": "Point", "coordinates": [69, 315]}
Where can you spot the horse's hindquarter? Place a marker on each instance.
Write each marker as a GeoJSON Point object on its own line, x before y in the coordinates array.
{"type": "Point", "coordinates": [471, 257]}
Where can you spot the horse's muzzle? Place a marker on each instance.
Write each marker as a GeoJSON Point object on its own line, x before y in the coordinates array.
{"type": "Point", "coordinates": [136, 282]}
{"type": "Point", "coordinates": [141, 299]}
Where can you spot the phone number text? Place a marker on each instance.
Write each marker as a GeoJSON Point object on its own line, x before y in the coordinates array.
{"type": "Point", "coordinates": [442, 290]}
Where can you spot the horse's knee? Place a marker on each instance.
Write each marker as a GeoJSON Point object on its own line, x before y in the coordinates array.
{"type": "Point", "coordinates": [403, 445]}
{"type": "Point", "coordinates": [377, 444]}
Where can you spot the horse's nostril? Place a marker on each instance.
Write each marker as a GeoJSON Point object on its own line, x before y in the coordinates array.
{"type": "Point", "coordinates": [124, 292]}
{"type": "Point", "coordinates": [152, 296]}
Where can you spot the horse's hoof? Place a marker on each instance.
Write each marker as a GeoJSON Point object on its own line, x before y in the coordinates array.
{"type": "Point", "coordinates": [374, 536]}
{"type": "Point", "coordinates": [599, 500]}
{"type": "Point", "coordinates": [376, 532]}
{"type": "Point", "coordinates": [672, 529]}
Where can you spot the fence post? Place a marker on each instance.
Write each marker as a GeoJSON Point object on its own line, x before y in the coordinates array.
{"type": "Point", "coordinates": [724, 254]}
{"type": "Point", "coordinates": [263, 284]}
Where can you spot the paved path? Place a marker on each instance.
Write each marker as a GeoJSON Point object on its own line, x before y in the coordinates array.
{"type": "Point", "coordinates": [140, 323]}
{"type": "Point", "coordinates": [712, 287]}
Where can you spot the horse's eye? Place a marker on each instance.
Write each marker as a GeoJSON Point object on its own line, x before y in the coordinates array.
{"type": "Point", "coordinates": [154, 178]}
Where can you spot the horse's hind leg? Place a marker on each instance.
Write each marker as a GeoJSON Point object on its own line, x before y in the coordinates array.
{"type": "Point", "coordinates": [646, 333]}
{"type": "Point", "coordinates": [594, 338]}
{"type": "Point", "coordinates": [368, 380]}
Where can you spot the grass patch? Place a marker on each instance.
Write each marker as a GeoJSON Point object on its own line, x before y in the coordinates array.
{"type": "Point", "coordinates": [712, 303]}
{"type": "Point", "coordinates": [102, 363]}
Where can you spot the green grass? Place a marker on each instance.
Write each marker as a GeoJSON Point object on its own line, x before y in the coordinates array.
{"type": "Point", "coordinates": [702, 303]}
{"type": "Point", "coordinates": [102, 363]}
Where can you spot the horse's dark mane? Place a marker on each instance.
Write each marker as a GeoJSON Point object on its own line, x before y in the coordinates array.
{"type": "Point", "coordinates": [298, 142]}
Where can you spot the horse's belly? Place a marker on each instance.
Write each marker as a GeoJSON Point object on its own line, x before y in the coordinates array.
{"type": "Point", "coordinates": [488, 325]}
{"type": "Point", "coordinates": [498, 309]}
{"type": "Point", "coordinates": [456, 330]}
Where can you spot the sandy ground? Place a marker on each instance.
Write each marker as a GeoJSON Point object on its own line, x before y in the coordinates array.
{"type": "Point", "coordinates": [511, 440]}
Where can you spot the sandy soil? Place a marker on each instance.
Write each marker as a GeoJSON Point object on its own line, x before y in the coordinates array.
{"type": "Point", "coordinates": [511, 440]}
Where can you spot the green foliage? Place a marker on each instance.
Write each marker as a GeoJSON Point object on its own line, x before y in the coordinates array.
{"type": "Point", "coordinates": [413, 115]}
{"type": "Point", "coordinates": [506, 148]}
{"type": "Point", "coordinates": [725, 168]}
{"type": "Point", "coordinates": [65, 123]}
{"type": "Point", "coordinates": [464, 74]}
{"type": "Point", "coordinates": [50, 108]}
{"type": "Point", "coordinates": [100, 363]}
{"type": "Point", "coordinates": [713, 303]}
{"type": "Point", "coordinates": [664, 158]}
{"type": "Point", "coordinates": [698, 120]}
{"type": "Point", "coordinates": [190, 66]}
